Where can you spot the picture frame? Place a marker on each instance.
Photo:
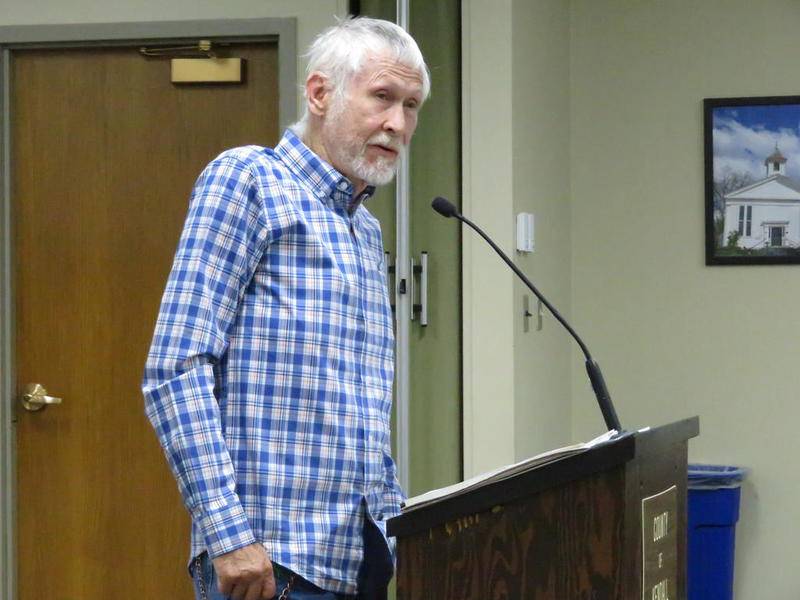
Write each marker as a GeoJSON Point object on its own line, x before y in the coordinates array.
{"type": "Point", "coordinates": [752, 180]}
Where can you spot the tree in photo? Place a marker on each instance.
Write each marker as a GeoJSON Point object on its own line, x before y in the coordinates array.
{"type": "Point", "coordinates": [729, 182]}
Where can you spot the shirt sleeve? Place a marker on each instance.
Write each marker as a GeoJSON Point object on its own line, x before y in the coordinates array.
{"type": "Point", "coordinates": [222, 241]}
{"type": "Point", "coordinates": [393, 496]}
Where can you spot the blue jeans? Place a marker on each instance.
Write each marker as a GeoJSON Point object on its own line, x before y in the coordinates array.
{"type": "Point", "coordinates": [373, 576]}
{"type": "Point", "coordinates": [205, 583]}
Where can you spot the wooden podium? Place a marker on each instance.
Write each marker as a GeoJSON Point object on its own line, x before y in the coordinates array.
{"type": "Point", "coordinates": [607, 523]}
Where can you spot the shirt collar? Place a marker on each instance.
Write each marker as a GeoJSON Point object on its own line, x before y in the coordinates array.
{"type": "Point", "coordinates": [330, 186]}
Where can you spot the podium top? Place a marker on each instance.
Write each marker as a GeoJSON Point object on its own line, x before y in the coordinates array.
{"type": "Point", "coordinates": [570, 468]}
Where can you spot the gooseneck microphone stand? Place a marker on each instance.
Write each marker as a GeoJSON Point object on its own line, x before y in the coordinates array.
{"type": "Point", "coordinates": [445, 208]}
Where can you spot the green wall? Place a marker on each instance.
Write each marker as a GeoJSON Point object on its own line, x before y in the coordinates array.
{"type": "Point", "coordinates": [435, 170]}
{"type": "Point", "coordinates": [435, 351]}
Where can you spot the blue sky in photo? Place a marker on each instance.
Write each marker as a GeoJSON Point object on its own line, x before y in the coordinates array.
{"type": "Point", "coordinates": [745, 135]}
{"type": "Point", "coordinates": [771, 117]}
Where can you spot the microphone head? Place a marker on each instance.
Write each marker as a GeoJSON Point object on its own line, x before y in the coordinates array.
{"type": "Point", "coordinates": [444, 207]}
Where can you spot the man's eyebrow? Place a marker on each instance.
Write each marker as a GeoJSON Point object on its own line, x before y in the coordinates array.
{"type": "Point", "coordinates": [385, 74]}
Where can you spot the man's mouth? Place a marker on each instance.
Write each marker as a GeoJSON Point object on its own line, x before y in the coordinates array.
{"type": "Point", "coordinates": [385, 150]}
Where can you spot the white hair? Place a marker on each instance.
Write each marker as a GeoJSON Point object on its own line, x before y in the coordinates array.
{"type": "Point", "coordinates": [339, 52]}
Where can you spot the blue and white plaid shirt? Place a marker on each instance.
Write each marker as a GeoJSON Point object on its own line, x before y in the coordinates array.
{"type": "Point", "coordinates": [269, 378]}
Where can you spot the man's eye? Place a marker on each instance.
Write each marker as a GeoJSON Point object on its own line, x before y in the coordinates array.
{"type": "Point", "coordinates": [382, 95]}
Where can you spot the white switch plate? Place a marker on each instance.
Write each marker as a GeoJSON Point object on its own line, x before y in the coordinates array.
{"type": "Point", "coordinates": [525, 232]}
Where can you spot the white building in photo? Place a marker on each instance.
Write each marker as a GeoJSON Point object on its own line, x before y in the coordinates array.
{"type": "Point", "coordinates": [765, 213]}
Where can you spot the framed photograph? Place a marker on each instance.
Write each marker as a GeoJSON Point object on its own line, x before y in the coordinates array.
{"type": "Point", "coordinates": [752, 168]}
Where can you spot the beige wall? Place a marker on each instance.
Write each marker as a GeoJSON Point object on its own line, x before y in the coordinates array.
{"type": "Point", "coordinates": [516, 158]}
{"type": "Point", "coordinates": [675, 337]}
{"type": "Point", "coordinates": [621, 92]}
{"type": "Point", "coordinates": [487, 199]}
{"type": "Point", "coordinates": [540, 112]}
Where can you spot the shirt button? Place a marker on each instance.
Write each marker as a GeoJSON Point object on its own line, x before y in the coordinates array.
{"type": "Point", "coordinates": [342, 185]}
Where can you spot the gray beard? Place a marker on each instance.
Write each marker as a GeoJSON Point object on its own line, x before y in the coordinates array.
{"type": "Point", "coordinates": [380, 172]}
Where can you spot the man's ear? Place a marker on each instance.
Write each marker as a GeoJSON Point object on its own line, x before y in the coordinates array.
{"type": "Point", "coordinates": [318, 94]}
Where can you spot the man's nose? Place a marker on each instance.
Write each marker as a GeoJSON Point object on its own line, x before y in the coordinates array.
{"type": "Point", "coordinates": [395, 120]}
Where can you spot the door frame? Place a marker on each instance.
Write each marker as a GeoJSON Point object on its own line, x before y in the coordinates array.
{"type": "Point", "coordinates": [280, 30]}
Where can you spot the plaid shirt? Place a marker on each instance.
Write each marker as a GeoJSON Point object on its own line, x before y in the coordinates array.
{"type": "Point", "coordinates": [269, 378]}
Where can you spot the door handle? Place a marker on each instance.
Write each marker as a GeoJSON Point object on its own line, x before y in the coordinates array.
{"type": "Point", "coordinates": [412, 272]}
{"type": "Point", "coordinates": [34, 397]}
{"type": "Point", "coordinates": [423, 289]}
{"type": "Point", "coordinates": [421, 270]}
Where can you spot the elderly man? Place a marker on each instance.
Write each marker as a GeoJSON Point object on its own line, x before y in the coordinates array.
{"type": "Point", "coordinates": [269, 378]}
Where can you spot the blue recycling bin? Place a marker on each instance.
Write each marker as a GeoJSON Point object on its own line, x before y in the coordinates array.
{"type": "Point", "coordinates": [713, 510]}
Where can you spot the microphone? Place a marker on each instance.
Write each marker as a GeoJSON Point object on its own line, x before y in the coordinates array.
{"type": "Point", "coordinates": [446, 208]}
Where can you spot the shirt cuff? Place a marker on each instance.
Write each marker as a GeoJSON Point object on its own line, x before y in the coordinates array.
{"type": "Point", "coordinates": [226, 529]}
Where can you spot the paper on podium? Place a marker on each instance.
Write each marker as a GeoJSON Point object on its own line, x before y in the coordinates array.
{"type": "Point", "coordinates": [505, 472]}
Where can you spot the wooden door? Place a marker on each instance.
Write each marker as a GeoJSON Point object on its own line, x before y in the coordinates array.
{"type": "Point", "coordinates": [104, 154]}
